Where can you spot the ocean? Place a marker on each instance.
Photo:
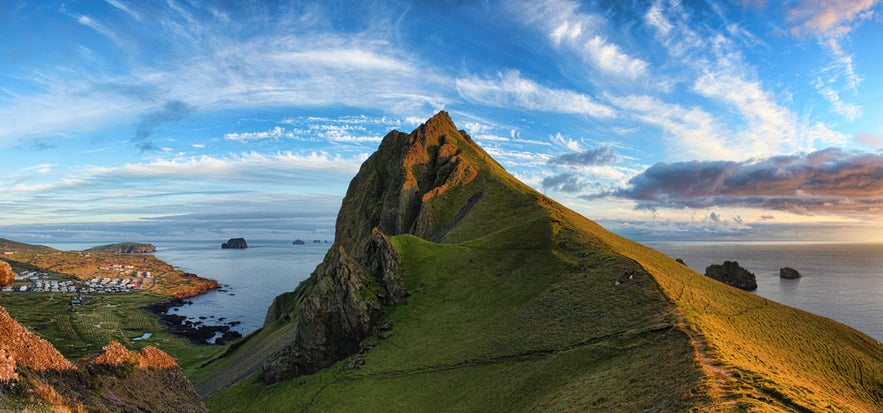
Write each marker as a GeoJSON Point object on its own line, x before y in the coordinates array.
{"type": "Point", "coordinates": [843, 282]}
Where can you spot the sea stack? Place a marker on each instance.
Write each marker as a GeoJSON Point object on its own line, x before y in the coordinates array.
{"type": "Point", "coordinates": [235, 243]}
{"type": "Point", "coordinates": [789, 273]}
{"type": "Point", "coordinates": [731, 273]}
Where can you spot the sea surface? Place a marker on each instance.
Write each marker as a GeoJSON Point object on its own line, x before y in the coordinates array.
{"type": "Point", "coordinates": [843, 282]}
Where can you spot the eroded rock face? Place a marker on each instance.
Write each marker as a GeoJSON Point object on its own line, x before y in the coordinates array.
{"type": "Point", "coordinates": [397, 191]}
{"type": "Point", "coordinates": [7, 276]}
{"type": "Point", "coordinates": [732, 273]}
{"type": "Point", "coordinates": [789, 273]}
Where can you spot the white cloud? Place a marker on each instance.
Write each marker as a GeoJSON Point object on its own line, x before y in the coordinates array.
{"type": "Point", "coordinates": [510, 89]}
{"type": "Point", "coordinates": [580, 33]}
{"type": "Point", "coordinates": [275, 133]}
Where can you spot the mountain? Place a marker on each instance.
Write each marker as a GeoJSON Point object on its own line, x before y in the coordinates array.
{"type": "Point", "coordinates": [124, 248]}
{"type": "Point", "coordinates": [452, 286]}
{"type": "Point", "coordinates": [34, 376]}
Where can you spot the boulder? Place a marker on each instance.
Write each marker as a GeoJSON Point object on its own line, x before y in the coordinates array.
{"type": "Point", "coordinates": [732, 273]}
{"type": "Point", "coordinates": [7, 276]}
{"type": "Point", "coordinates": [235, 243]}
{"type": "Point", "coordinates": [789, 273]}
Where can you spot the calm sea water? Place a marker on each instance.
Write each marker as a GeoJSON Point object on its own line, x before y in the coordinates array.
{"type": "Point", "coordinates": [843, 282]}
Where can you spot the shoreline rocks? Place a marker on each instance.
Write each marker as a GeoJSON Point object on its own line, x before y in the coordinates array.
{"type": "Point", "coordinates": [197, 332]}
{"type": "Point", "coordinates": [731, 273]}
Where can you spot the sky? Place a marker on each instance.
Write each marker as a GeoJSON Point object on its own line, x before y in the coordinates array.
{"type": "Point", "coordinates": [662, 120]}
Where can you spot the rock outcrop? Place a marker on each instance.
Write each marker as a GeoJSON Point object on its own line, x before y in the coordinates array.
{"type": "Point", "coordinates": [235, 243]}
{"type": "Point", "coordinates": [125, 248]}
{"type": "Point", "coordinates": [405, 187]}
{"type": "Point", "coordinates": [789, 273]}
{"type": "Point", "coordinates": [116, 380]}
{"type": "Point", "coordinates": [732, 273]}
{"type": "Point", "coordinates": [7, 276]}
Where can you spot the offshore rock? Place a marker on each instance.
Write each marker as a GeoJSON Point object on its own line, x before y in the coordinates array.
{"type": "Point", "coordinates": [789, 273]}
{"type": "Point", "coordinates": [732, 273]}
{"type": "Point", "coordinates": [397, 191]}
{"type": "Point", "coordinates": [7, 276]}
{"type": "Point", "coordinates": [235, 243]}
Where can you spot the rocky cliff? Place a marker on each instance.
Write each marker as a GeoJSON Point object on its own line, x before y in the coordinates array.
{"type": "Point", "coordinates": [398, 190]}
{"type": "Point", "coordinates": [34, 376]}
{"type": "Point", "coordinates": [7, 276]}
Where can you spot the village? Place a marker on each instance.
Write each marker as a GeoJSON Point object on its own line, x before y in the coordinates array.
{"type": "Point", "coordinates": [41, 282]}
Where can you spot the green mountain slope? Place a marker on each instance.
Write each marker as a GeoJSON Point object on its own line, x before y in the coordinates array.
{"type": "Point", "coordinates": [452, 286]}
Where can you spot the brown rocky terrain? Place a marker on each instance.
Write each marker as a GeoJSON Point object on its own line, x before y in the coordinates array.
{"type": "Point", "coordinates": [7, 276]}
{"type": "Point", "coordinates": [34, 376]}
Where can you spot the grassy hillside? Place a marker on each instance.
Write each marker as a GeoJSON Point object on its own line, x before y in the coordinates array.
{"type": "Point", "coordinates": [524, 305]}
{"type": "Point", "coordinates": [500, 324]}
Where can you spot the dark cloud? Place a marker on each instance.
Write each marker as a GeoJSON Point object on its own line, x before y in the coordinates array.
{"type": "Point", "coordinates": [171, 111]}
{"type": "Point", "coordinates": [597, 156]}
{"type": "Point", "coordinates": [830, 180]}
{"type": "Point", "coordinates": [564, 183]}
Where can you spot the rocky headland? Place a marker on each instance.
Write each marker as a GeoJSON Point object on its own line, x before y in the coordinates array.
{"type": "Point", "coordinates": [731, 273]}
{"type": "Point", "coordinates": [124, 248]}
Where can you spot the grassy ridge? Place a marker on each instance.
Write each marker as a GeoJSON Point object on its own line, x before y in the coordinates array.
{"type": "Point", "coordinates": [506, 322]}
{"type": "Point", "coordinates": [771, 354]}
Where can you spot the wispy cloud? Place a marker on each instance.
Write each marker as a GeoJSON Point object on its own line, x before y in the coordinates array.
{"type": "Point", "coordinates": [510, 89]}
{"type": "Point", "coordinates": [573, 31]}
{"type": "Point", "coordinates": [178, 185]}
{"type": "Point", "coordinates": [596, 156]}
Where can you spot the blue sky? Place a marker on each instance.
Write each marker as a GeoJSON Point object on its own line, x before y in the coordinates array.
{"type": "Point", "coordinates": [660, 119]}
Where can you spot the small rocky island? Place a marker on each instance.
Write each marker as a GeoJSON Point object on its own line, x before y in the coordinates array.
{"type": "Point", "coordinates": [235, 243]}
{"type": "Point", "coordinates": [789, 273]}
{"type": "Point", "coordinates": [299, 242]}
{"type": "Point", "coordinates": [732, 273]}
{"type": "Point", "coordinates": [124, 248]}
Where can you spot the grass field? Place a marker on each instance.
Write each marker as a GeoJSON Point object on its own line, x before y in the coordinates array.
{"type": "Point", "coordinates": [104, 318]}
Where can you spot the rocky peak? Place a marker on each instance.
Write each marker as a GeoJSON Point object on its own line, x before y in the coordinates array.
{"type": "Point", "coordinates": [415, 183]}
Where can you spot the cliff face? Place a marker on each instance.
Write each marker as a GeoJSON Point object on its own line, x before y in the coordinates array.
{"type": "Point", "coordinates": [34, 373]}
{"type": "Point", "coordinates": [398, 190]}
{"type": "Point", "coordinates": [7, 276]}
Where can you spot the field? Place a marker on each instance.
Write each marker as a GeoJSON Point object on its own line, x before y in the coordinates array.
{"type": "Point", "coordinates": [103, 318]}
